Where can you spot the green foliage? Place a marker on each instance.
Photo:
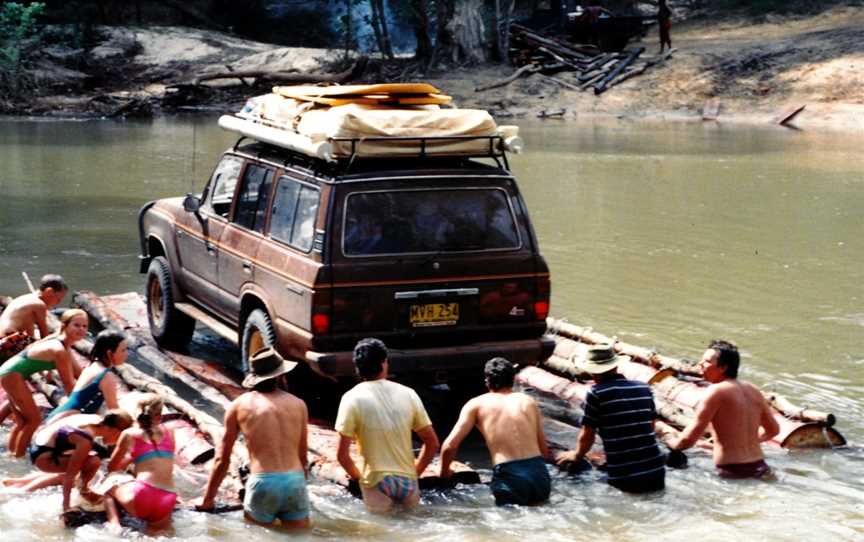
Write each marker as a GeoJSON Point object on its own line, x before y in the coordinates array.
{"type": "Point", "coordinates": [18, 28]}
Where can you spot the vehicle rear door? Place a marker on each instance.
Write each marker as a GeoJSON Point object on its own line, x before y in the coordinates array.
{"type": "Point", "coordinates": [442, 261]}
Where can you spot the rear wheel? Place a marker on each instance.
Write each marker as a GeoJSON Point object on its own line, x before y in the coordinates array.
{"type": "Point", "coordinates": [170, 327]}
{"type": "Point", "coordinates": [258, 333]}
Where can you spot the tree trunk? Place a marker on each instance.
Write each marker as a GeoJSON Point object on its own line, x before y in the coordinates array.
{"type": "Point", "coordinates": [445, 44]}
{"type": "Point", "coordinates": [421, 29]}
{"type": "Point", "coordinates": [503, 17]}
{"type": "Point", "coordinates": [385, 33]}
{"type": "Point", "coordinates": [468, 32]}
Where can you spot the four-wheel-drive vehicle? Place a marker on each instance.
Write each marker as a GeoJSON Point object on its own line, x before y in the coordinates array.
{"type": "Point", "coordinates": [434, 255]}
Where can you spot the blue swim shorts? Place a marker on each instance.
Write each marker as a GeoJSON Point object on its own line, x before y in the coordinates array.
{"type": "Point", "coordinates": [523, 481]}
{"type": "Point", "coordinates": [271, 495]}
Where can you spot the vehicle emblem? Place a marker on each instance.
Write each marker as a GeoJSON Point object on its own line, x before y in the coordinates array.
{"type": "Point", "coordinates": [516, 311]}
{"type": "Point", "coordinates": [436, 266]}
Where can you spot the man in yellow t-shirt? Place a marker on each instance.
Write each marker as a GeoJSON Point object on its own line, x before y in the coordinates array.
{"type": "Point", "coordinates": [381, 415]}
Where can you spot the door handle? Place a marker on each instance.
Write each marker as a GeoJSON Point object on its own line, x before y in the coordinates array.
{"type": "Point", "coordinates": [247, 266]}
{"type": "Point", "coordinates": [211, 249]}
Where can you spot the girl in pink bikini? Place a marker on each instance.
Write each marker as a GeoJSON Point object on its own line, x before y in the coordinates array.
{"type": "Point", "coordinates": [150, 447]}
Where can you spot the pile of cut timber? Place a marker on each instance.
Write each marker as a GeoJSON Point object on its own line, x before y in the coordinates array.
{"type": "Point", "coordinates": [586, 66]}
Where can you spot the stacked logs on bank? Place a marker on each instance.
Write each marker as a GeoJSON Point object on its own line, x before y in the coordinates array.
{"type": "Point", "coordinates": [576, 67]}
{"type": "Point", "coordinates": [676, 384]}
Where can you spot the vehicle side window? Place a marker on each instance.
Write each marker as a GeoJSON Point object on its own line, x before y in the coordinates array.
{"type": "Point", "coordinates": [295, 207]}
{"type": "Point", "coordinates": [253, 198]}
{"type": "Point", "coordinates": [220, 193]}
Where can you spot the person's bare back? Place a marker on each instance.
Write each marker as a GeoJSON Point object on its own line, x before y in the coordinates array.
{"type": "Point", "coordinates": [25, 313]}
{"type": "Point", "coordinates": [275, 428]}
{"type": "Point", "coordinates": [509, 422]}
{"type": "Point", "coordinates": [739, 414]}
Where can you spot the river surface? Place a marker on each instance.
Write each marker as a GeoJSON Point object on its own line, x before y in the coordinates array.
{"type": "Point", "coordinates": [664, 235]}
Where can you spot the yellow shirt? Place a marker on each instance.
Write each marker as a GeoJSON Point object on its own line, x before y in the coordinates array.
{"type": "Point", "coordinates": [381, 415]}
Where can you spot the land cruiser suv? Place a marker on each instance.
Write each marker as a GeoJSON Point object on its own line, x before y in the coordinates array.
{"type": "Point", "coordinates": [435, 256]}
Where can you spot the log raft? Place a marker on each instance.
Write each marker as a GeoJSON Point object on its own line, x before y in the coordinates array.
{"type": "Point", "coordinates": [128, 312]}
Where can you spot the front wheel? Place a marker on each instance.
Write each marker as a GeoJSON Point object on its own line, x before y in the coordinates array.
{"type": "Point", "coordinates": [258, 333]}
{"type": "Point", "coordinates": [169, 327]}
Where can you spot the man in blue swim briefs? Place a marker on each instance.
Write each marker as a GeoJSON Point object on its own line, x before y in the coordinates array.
{"type": "Point", "coordinates": [381, 415]}
{"type": "Point", "coordinates": [512, 425]}
{"type": "Point", "coordinates": [274, 423]}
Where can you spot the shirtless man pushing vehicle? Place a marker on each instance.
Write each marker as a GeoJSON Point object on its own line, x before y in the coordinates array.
{"type": "Point", "coordinates": [275, 425]}
{"type": "Point", "coordinates": [736, 413]}
{"type": "Point", "coordinates": [512, 425]}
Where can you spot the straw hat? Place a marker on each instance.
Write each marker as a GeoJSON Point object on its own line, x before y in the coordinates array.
{"type": "Point", "coordinates": [264, 365]}
{"type": "Point", "coordinates": [601, 358]}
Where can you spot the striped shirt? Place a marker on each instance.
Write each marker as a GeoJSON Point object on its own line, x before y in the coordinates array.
{"type": "Point", "coordinates": [622, 412]}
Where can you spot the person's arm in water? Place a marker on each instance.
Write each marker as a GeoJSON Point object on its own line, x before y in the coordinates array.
{"type": "Point", "coordinates": [705, 412]}
{"type": "Point", "coordinates": [584, 442]}
{"type": "Point", "coordinates": [120, 456]}
{"type": "Point", "coordinates": [428, 450]}
{"type": "Point", "coordinates": [222, 461]}
{"type": "Point", "coordinates": [343, 455]}
{"type": "Point", "coordinates": [65, 366]}
{"type": "Point", "coordinates": [108, 387]}
{"type": "Point", "coordinates": [303, 447]}
{"type": "Point", "coordinates": [464, 425]}
{"type": "Point", "coordinates": [76, 463]}
{"type": "Point", "coordinates": [769, 428]}
{"type": "Point", "coordinates": [541, 436]}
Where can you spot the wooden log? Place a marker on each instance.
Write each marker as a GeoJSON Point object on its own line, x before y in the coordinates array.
{"type": "Point", "coordinates": [641, 355]}
{"type": "Point", "coordinates": [526, 69]}
{"type": "Point", "coordinates": [191, 446]}
{"type": "Point", "coordinates": [784, 406]}
{"type": "Point", "coordinates": [562, 83]}
{"type": "Point", "coordinates": [789, 113]}
{"type": "Point", "coordinates": [601, 86]}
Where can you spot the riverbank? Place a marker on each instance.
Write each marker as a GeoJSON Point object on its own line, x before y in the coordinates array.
{"type": "Point", "coordinates": [752, 70]}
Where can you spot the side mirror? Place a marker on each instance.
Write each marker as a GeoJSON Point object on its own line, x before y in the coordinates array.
{"type": "Point", "coordinates": [191, 203]}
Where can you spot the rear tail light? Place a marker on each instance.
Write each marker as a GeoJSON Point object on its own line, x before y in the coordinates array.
{"type": "Point", "coordinates": [541, 309]}
{"type": "Point", "coordinates": [320, 323]}
{"type": "Point", "coordinates": [321, 312]}
{"type": "Point", "coordinates": [541, 301]}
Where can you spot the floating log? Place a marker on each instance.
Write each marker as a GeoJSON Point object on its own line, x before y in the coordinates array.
{"type": "Point", "coordinates": [789, 113]}
{"type": "Point", "coordinates": [785, 407]}
{"type": "Point", "coordinates": [642, 355]}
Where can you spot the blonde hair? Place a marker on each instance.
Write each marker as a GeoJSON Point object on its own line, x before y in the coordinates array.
{"type": "Point", "coordinates": [68, 315]}
{"type": "Point", "coordinates": [148, 407]}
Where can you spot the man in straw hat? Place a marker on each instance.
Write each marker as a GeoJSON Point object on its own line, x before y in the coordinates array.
{"type": "Point", "coordinates": [736, 413]}
{"type": "Point", "coordinates": [622, 411]}
{"type": "Point", "coordinates": [274, 423]}
{"type": "Point", "coordinates": [512, 425]}
{"type": "Point", "coordinates": [381, 416]}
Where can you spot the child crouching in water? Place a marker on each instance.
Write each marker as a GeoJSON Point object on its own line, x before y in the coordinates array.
{"type": "Point", "coordinates": [150, 447]}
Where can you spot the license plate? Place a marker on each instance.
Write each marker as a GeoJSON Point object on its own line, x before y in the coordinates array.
{"type": "Point", "coordinates": [434, 314]}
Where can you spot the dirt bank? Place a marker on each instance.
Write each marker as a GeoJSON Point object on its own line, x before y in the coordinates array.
{"type": "Point", "coordinates": [754, 70]}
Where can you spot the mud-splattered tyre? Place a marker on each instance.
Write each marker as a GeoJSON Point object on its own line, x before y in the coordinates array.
{"type": "Point", "coordinates": [169, 327]}
{"type": "Point", "coordinates": [258, 333]}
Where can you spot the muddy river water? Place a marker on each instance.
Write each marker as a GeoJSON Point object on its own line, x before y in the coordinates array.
{"type": "Point", "coordinates": [664, 235]}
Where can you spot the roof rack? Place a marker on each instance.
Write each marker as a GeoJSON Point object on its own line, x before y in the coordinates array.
{"type": "Point", "coordinates": [334, 149]}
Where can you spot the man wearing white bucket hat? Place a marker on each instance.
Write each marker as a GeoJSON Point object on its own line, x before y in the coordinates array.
{"type": "Point", "coordinates": [622, 412]}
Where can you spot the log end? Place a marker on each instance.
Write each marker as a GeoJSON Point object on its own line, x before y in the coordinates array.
{"type": "Point", "coordinates": [813, 435]}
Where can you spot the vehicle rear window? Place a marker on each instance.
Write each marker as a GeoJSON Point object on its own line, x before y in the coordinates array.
{"type": "Point", "coordinates": [418, 221]}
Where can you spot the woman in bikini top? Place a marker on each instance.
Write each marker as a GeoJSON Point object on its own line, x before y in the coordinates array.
{"type": "Point", "coordinates": [97, 383]}
{"type": "Point", "coordinates": [53, 352]}
{"type": "Point", "coordinates": [65, 450]}
{"type": "Point", "coordinates": [150, 447]}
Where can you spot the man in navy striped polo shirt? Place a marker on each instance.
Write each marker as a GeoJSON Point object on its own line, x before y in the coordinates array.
{"type": "Point", "coordinates": [622, 412]}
